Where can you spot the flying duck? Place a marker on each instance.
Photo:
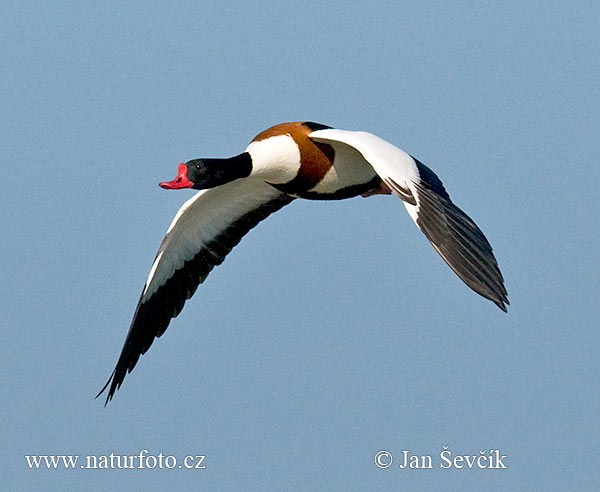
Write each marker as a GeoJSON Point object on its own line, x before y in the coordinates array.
{"type": "Point", "coordinates": [285, 162]}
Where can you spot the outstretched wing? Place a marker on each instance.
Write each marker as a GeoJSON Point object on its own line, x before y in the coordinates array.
{"type": "Point", "coordinates": [203, 232]}
{"type": "Point", "coordinates": [452, 232]}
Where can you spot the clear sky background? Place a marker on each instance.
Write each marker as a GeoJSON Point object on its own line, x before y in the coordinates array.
{"type": "Point", "coordinates": [333, 330]}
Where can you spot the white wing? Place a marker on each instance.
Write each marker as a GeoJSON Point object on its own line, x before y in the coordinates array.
{"type": "Point", "coordinates": [452, 232]}
{"type": "Point", "coordinates": [203, 232]}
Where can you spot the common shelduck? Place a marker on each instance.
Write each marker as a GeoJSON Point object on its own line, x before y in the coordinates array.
{"type": "Point", "coordinates": [285, 162]}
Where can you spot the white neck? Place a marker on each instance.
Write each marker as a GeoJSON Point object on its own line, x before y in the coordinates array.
{"type": "Point", "coordinates": [275, 159]}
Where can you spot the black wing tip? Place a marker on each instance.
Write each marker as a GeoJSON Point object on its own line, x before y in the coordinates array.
{"type": "Point", "coordinates": [113, 384]}
{"type": "Point", "coordinates": [458, 240]}
{"type": "Point", "coordinates": [498, 294]}
{"type": "Point", "coordinates": [502, 303]}
{"type": "Point", "coordinates": [494, 291]}
{"type": "Point", "coordinates": [112, 389]}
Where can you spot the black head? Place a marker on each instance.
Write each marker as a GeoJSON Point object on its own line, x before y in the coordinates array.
{"type": "Point", "coordinates": [202, 174]}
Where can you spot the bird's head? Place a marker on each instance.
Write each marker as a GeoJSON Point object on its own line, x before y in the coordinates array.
{"type": "Point", "coordinates": [202, 174]}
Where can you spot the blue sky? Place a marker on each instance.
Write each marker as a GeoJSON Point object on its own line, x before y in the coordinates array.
{"type": "Point", "coordinates": [333, 331]}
